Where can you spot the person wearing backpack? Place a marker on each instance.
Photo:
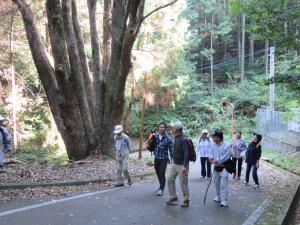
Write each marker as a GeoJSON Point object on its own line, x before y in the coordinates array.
{"type": "Point", "coordinates": [179, 167]}
{"type": "Point", "coordinates": [122, 148]}
{"type": "Point", "coordinates": [163, 154]}
{"type": "Point", "coordinates": [5, 140]}
{"type": "Point", "coordinates": [203, 149]}
{"type": "Point", "coordinates": [221, 152]}
{"type": "Point", "coordinates": [239, 147]}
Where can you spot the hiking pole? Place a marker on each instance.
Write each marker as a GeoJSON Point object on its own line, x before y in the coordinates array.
{"type": "Point", "coordinates": [208, 187]}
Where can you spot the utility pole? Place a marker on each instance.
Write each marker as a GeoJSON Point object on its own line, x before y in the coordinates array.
{"type": "Point", "coordinates": [272, 72]}
{"type": "Point", "coordinates": [143, 116]}
{"type": "Point", "coordinates": [267, 56]}
{"type": "Point", "coordinates": [243, 47]}
{"type": "Point", "coordinates": [211, 62]}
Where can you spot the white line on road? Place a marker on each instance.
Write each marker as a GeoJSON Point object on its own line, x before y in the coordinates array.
{"type": "Point", "coordinates": [258, 212]}
{"type": "Point", "coordinates": [54, 202]}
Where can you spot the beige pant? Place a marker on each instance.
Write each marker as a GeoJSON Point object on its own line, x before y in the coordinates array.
{"type": "Point", "coordinates": [176, 170]}
{"type": "Point", "coordinates": [122, 167]}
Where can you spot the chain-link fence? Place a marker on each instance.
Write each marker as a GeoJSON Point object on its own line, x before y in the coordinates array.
{"type": "Point", "coordinates": [281, 130]}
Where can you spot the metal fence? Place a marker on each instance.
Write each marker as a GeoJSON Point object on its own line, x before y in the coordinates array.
{"type": "Point", "coordinates": [280, 126]}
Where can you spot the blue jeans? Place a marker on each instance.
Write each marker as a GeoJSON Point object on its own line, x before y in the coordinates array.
{"type": "Point", "coordinates": [254, 173]}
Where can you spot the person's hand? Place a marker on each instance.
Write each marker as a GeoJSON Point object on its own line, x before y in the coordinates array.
{"type": "Point", "coordinates": [184, 169]}
{"type": "Point", "coordinates": [257, 165]}
{"type": "Point", "coordinates": [213, 161]}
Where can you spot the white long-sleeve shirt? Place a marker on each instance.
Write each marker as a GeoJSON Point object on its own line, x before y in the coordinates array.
{"type": "Point", "coordinates": [220, 152]}
{"type": "Point", "coordinates": [203, 147]}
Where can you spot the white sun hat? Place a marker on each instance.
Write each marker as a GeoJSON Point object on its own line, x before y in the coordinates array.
{"type": "Point", "coordinates": [204, 131]}
{"type": "Point", "coordinates": [118, 129]}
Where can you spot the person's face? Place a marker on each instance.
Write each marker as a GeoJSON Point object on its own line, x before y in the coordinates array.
{"type": "Point", "coordinates": [162, 129]}
{"type": "Point", "coordinates": [204, 135]}
{"type": "Point", "coordinates": [119, 134]}
{"type": "Point", "coordinates": [238, 135]}
{"type": "Point", "coordinates": [217, 139]}
{"type": "Point", "coordinates": [254, 138]}
{"type": "Point", "coordinates": [174, 131]}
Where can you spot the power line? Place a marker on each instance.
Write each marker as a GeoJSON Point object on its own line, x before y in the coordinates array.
{"type": "Point", "coordinates": [227, 62]}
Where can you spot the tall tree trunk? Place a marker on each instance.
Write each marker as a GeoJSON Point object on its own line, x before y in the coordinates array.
{"type": "Point", "coordinates": [243, 48]}
{"type": "Point", "coordinates": [13, 83]}
{"type": "Point", "coordinates": [83, 106]}
{"type": "Point", "coordinates": [142, 115]}
{"type": "Point", "coordinates": [211, 62]}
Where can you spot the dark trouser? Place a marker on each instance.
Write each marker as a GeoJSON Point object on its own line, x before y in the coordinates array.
{"type": "Point", "coordinates": [160, 166]}
{"type": "Point", "coordinates": [240, 162]}
{"type": "Point", "coordinates": [205, 164]}
{"type": "Point", "coordinates": [254, 173]}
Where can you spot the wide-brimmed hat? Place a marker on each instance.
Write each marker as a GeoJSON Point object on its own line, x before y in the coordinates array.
{"type": "Point", "coordinates": [118, 129]}
{"type": "Point", "coordinates": [204, 131]}
{"type": "Point", "coordinates": [218, 133]}
{"type": "Point", "coordinates": [177, 125]}
{"type": "Point", "coordinates": [2, 118]}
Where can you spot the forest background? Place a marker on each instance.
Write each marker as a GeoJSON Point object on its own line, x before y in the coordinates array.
{"type": "Point", "coordinates": [187, 60]}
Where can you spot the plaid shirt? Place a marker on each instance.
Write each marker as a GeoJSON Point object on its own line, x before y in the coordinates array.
{"type": "Point", "coordinates": [164, 147]}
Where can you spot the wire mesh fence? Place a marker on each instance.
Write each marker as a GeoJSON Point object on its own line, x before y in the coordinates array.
{"type": "Point", "coordinates": [278, 126]}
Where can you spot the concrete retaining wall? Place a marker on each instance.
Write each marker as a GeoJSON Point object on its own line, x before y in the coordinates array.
{"type": "Point", "coordinates": [277, 145]}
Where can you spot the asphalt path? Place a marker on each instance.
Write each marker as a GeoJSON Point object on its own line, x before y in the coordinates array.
{"type": "Point", "coordinates": [136, 204]}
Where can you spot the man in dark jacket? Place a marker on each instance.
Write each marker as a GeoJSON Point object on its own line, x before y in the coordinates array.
{"type": "Point", "coordinates": [253, 155]}
{"type": "Point", "coordinates": [163, 152]}
{"type": "Point", "coordinates": [179, 167]}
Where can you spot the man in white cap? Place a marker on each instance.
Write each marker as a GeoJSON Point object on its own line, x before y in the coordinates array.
{"type": "Point", "coordinates": [179, 167]}
{"type": "Point", "coordinates": [122, 148]}
{"type": "Point", "coordinates": [5, 140]}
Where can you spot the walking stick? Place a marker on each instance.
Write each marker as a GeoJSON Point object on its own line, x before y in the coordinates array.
{"type": "Point", "coordinates": [208, 187]}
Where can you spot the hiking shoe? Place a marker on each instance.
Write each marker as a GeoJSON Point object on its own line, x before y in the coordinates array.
{"type": "Point", "coordinates": [185, 204]}
{"type": "Point", "coordinates": [171, 200]}
{"type": "Point", "coordinates": [120, 185]}
{"type": "Point", "coordinates": [224, 204]}
{"type": "Point", "coordinates": [129, 182]}
{"type": "Point", "coordinates": [159, 192]}
{"type": "Point", "coordinates": [217, 199]}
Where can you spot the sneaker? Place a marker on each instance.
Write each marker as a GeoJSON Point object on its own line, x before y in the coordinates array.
{"type": "Point", "coordinates": [224, 204]}
{"type": "Point", "coordinates": [159, 192]}
{"type": "Point", "coordinates": [256, 186]}
{"type": "Point", "coordinates": [238, 178]}
{"type": "Point", "coordinates": [207, 178]}
{"type": "Point", "coordinates": [203, 177]}
{"type": "Point", "coordinates": [245, 183]}
{"type": "Point", "coordinates": [185, 204]}
{"type": "Point", "coordinates": [217, 199]}
{"type": "Point", "coordinates": [233, 177]}
{"type": "Point", "coordinates": [129, 182]}
{"type": "Point", "coordinates": [120, 185]}
{"type": "Point", "coordinates": [171, 200]}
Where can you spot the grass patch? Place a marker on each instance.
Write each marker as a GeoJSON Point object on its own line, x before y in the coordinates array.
{"type": "Point", "coordinates": [34, 156]}
{"type": "Point", "coordinates": [287, 162]}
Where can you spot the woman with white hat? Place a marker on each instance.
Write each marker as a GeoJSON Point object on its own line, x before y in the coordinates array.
{"type": "Point", "coordinates": [203, 149]}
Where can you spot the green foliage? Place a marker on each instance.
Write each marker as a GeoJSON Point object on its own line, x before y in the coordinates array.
{"type": "Point", "coordinates": [34, 156]}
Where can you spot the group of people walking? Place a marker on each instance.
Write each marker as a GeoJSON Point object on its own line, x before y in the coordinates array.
{"type": "Point", "coordinates": [212, 150]}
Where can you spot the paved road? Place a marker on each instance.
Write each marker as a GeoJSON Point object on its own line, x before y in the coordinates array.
{"type": "Point", "coordinates": [135, 205]}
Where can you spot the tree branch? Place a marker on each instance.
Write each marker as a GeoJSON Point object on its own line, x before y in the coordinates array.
{"type": "Point", "coordinates": [159, 8]}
